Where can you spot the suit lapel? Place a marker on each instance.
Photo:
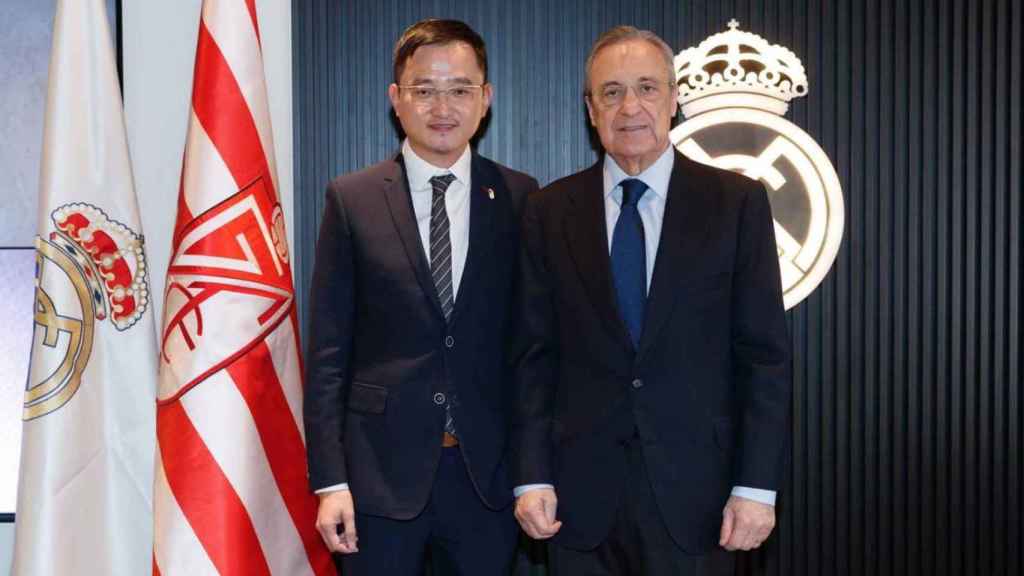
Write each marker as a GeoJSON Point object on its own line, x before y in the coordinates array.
{"type": "Point", "coordinates": [683, 233]}
{"type": "Point", "coordinates": [481, 231]}
{"type": "Point", "coordinates": [587, 237]}
{"type": "Point", "coordinates": [399, 200]}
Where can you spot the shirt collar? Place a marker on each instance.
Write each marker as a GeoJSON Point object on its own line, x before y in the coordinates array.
{"type": "Point", "coordinates": [419, 171]}
{"type": "Point", "coordinates": [656, 176]}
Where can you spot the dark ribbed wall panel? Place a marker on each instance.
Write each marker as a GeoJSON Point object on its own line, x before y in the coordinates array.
{"type": "Point", "coordinates": [907, 424]}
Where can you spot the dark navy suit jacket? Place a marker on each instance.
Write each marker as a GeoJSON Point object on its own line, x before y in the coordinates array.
{"type": "Point", "coordinates": [707, 391]}
{"type": "Point", "coordinates": [380, 351]}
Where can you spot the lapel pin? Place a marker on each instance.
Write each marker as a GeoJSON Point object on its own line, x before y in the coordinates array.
{"type": "Point", "coordinates": [490, 193]}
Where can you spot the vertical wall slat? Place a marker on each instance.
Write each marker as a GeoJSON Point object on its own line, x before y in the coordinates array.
{"type": "Point", "coordinates": [1014, 263]}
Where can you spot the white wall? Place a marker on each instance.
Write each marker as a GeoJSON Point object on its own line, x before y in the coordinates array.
{"type": "Point", "coordinates": [159, 52]}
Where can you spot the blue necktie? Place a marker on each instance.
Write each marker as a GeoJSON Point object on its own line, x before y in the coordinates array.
{"type": "Point", "coordinates": [629, 260]}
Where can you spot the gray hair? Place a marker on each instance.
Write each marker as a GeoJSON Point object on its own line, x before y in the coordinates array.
{"type": "Point", "coordinates": [620, 34]}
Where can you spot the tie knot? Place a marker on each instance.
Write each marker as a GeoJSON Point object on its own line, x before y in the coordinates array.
{"type": "Point", "coordinates": [440, 183]}
{"type": "Point", "coordinates": [632, 191]}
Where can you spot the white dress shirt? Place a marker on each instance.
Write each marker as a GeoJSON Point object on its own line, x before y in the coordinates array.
{"type": "Point", "coordinates": [418, 173]}
{"type": "Point", "coordinates": [652, 214]}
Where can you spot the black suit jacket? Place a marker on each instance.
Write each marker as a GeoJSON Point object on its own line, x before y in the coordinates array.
{"type": "Point", "coordinates": [380, 350]}
{"type": "Point", "coordinates": [708, 389]}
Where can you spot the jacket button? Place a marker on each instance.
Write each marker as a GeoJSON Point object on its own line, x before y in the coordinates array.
{"type": "Point", "coordinates": [638, 383]}
{"type": "Point", "coordinates": [449, 341]}
{"type": "Point", "coordinates": [439, 398]}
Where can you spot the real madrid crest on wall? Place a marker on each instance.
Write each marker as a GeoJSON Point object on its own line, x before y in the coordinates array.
{"type": "Point", "coordinates": [734, 89]}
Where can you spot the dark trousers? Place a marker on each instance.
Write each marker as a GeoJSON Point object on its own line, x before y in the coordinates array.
{"type": "Point", "coordinates": [458, 529]}
{"type": "Point", "coordinates": [638, 543]}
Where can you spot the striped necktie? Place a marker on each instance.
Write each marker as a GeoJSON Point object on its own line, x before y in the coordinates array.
{"type": "Point", "coordinates": [441, 245]}
{"type": "Point", "coordinates": [441, 265]}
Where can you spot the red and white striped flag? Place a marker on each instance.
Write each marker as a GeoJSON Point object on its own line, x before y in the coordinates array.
{"type": "Point", "coordinates": [230, 492]}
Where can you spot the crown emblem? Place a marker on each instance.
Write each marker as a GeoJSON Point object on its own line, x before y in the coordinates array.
{"type": "Point", "coordinates": [737, 68]}
{"type": "Point", "coordinates": [111, 257]}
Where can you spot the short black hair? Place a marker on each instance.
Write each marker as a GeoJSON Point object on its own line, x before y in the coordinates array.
{"type": "Point", "coordinates": [434, 31]}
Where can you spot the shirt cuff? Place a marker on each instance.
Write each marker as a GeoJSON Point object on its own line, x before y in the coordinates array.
{"type": "Point", "coordinates": [755, 494]}
{"type": "Point", "coordinates": [333, 488]}
{"type": "Point", "coordinates": [520, 490]}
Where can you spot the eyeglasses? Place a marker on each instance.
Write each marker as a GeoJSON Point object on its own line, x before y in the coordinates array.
{"type": "Point", "coordinates": [461, 94]}
{"type": "Point", "coordinates": [648, 90]}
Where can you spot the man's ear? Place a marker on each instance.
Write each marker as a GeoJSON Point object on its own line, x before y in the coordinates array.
{"type": "Point", "coordinates": [393, 96]}
{"type": "Point", "coordinates": [487, 95]}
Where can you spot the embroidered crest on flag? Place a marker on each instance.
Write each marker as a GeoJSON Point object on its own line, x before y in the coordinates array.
{"type": "Point", "coordinates": [90, 269]}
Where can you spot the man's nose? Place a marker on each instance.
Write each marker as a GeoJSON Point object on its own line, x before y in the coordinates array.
{"type": "Point", "coordinates": [440, 105]}
{"type": "Point", "coordinates": [630, 101]}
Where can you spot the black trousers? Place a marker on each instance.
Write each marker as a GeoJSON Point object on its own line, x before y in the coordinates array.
{"type": "Point", "coordinates": [461, 533]}
{"type": "Point", "coordinates": [638, 543]}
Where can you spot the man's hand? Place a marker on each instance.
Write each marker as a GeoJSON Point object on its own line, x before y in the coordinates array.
{"type": "Point", "coordinates": [535, 511]}
{"type": "Point", "coordinates": [337, 508]}
{"type": "Point", "coordinates": [746, 524]}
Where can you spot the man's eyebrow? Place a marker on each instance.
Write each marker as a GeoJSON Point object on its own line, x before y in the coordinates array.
{"type": "Point", "coordinates": [428, 81]}
{"type": "Point", "coordinates": [640, 79]}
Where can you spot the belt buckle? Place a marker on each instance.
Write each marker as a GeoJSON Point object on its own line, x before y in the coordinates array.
{"type": "Point", "coordinates": [449, 441]}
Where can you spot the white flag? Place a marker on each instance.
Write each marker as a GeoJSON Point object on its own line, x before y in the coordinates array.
{"type": "Point", "coordinates": [85, 487]}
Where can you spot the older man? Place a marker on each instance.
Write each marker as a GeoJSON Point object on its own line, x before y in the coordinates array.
{"type": "Point", "coordinates": [654, 370]}
{"type": "Point", "coordinates": [408, 401]}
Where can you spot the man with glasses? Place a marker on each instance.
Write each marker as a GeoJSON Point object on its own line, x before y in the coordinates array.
{"type": "Point", "coordinates": [408, 398]}
{"type": "Point", "coordinates": [653, 368]}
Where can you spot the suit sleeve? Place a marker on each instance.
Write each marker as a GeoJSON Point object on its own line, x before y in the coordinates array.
{"type": "Point", "coordinates": [536, 348]}
{"type": "Point", "coordinates": [760, 345]}
{"type": "Point", "coordinates": [330, 342]}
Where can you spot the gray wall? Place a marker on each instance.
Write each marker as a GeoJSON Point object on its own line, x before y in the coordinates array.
{"type": "Point", "coordinates": [6, 547]}
{"type": "Point", "coordinates": [26, 28]}
{"type": "Point", "coordinates": [25, 32]}
{"type": "Point", "coordinates": [906, 454]}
